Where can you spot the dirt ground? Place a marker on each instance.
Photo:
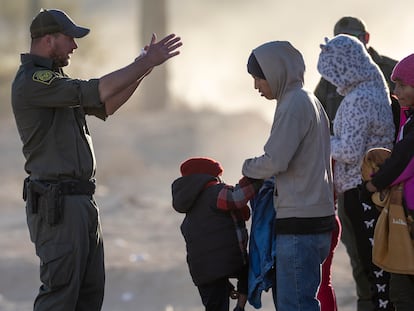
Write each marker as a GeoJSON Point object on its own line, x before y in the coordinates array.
{"type": "Point", "coordinates": [138, 157]}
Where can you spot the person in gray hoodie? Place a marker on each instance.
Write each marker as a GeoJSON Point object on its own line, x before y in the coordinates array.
{"type": "Point", "coordinates": [297, 153]}
{"type": "Point", "coordinates": [364, 120]}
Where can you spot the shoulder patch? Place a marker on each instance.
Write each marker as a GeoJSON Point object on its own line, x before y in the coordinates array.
{"type": "Point", "coordinates": [44, 76]}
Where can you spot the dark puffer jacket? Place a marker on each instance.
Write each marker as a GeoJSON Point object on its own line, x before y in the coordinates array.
{"type": "Point", "coordinates": [213, 249]}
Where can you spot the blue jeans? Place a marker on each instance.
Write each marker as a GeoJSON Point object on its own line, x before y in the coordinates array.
{"type": "Point", "coordinates": [298, 270]}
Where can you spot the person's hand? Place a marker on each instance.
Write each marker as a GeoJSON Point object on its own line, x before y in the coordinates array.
{"type": "Point", "coordinates": [242, 213]}
{"type": "Point", "coordinates": [157, 53]}
{"type": "Point", "coordinates": [365, 196]}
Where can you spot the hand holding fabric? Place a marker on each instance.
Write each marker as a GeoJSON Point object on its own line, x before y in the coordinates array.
{"type": "Point", "coordinates": [365, 196]}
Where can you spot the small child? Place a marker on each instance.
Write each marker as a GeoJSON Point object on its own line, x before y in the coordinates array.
{"type": "Point", "coordinates": [214, 230]}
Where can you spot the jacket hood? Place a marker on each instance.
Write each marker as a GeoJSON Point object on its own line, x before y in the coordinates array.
{"type": "Point", "coordinates": [344, 61]}
{"type": "Point", "coordinates": [282, 65]}
{"type": "Point", "coordinates": [185, 190]}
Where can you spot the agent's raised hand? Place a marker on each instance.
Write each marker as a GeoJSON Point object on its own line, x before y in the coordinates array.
{"type": "Point", "coordinates": [158, 52]}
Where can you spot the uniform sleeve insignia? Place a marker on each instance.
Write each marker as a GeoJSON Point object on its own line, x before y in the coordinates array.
{"type": "Point", "coordinates": [44, 76]}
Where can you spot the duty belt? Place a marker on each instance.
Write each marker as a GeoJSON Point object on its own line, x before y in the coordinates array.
{"type": "Point", "coordinates": [63, 187]}
{"type": "Point", "coordinates": [73, 187]}
{"type": "Point", "coordinates": [52, 193]}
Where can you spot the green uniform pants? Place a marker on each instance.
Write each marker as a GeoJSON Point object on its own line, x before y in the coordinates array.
{"type": "Point", "coordinates": [71, 255]}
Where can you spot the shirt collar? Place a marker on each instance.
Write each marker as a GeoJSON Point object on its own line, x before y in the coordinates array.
{"type": "Point", "coordinates": [37, 60]}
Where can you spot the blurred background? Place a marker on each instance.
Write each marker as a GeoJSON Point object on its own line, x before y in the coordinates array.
{"type": "Point", "coordinates": [218, 36]}
{"type": "Point", "coordinates": [201, 103]}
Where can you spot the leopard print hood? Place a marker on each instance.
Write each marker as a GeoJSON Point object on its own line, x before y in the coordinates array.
{"type": "Point", "coordinates": [345, 62]}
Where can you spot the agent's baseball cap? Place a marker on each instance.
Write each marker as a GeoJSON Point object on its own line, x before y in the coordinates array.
{"type": "Point", "coordinates": [53, 21]}
{"type": "Point", "coordinates": [350, 26]}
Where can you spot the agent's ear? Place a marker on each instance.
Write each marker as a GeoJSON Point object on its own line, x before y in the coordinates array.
{"type": "Point", "coordinates": [49, 40]}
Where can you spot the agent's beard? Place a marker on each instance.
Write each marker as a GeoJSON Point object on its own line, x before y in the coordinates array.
{"type": "Point", "coordinates": [59, 61]}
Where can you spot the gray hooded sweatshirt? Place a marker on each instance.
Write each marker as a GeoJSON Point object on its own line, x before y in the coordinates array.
{"type": "Point", "coordinates": [364, 118]}
{"type": "Point", "coordinates": [297, 152]}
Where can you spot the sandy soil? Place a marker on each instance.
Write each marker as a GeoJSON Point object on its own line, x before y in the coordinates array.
{"type": "Point", "coordinates": [138, 157]}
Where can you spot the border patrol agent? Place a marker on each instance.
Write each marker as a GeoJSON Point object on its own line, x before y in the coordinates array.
{"type": "Point", "coordinates": [50, 109]}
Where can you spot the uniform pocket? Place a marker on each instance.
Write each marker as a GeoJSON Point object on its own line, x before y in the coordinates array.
{"type": "Point", "coordinates": [56, 264]}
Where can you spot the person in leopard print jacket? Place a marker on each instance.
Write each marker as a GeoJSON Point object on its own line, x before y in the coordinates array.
{"type": "Point", "coordinates": [364, 120]}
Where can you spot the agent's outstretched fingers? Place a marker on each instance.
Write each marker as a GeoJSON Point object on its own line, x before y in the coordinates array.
{"type": "Point", "coordinates": [171, 43]}
{"type": "Point", "coordinates": [174, 43]}
{"type": "Point", "coordinates": [167, 38]}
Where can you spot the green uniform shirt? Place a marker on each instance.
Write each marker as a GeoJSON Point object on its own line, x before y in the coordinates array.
{"type": "Point", "coordinates": [49, 109]}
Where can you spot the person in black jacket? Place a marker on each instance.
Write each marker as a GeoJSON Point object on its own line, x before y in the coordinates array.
{"type": "Point", "coordinates": [399, 169]}
{"type": "Point", "coordinates": [214, 230]}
